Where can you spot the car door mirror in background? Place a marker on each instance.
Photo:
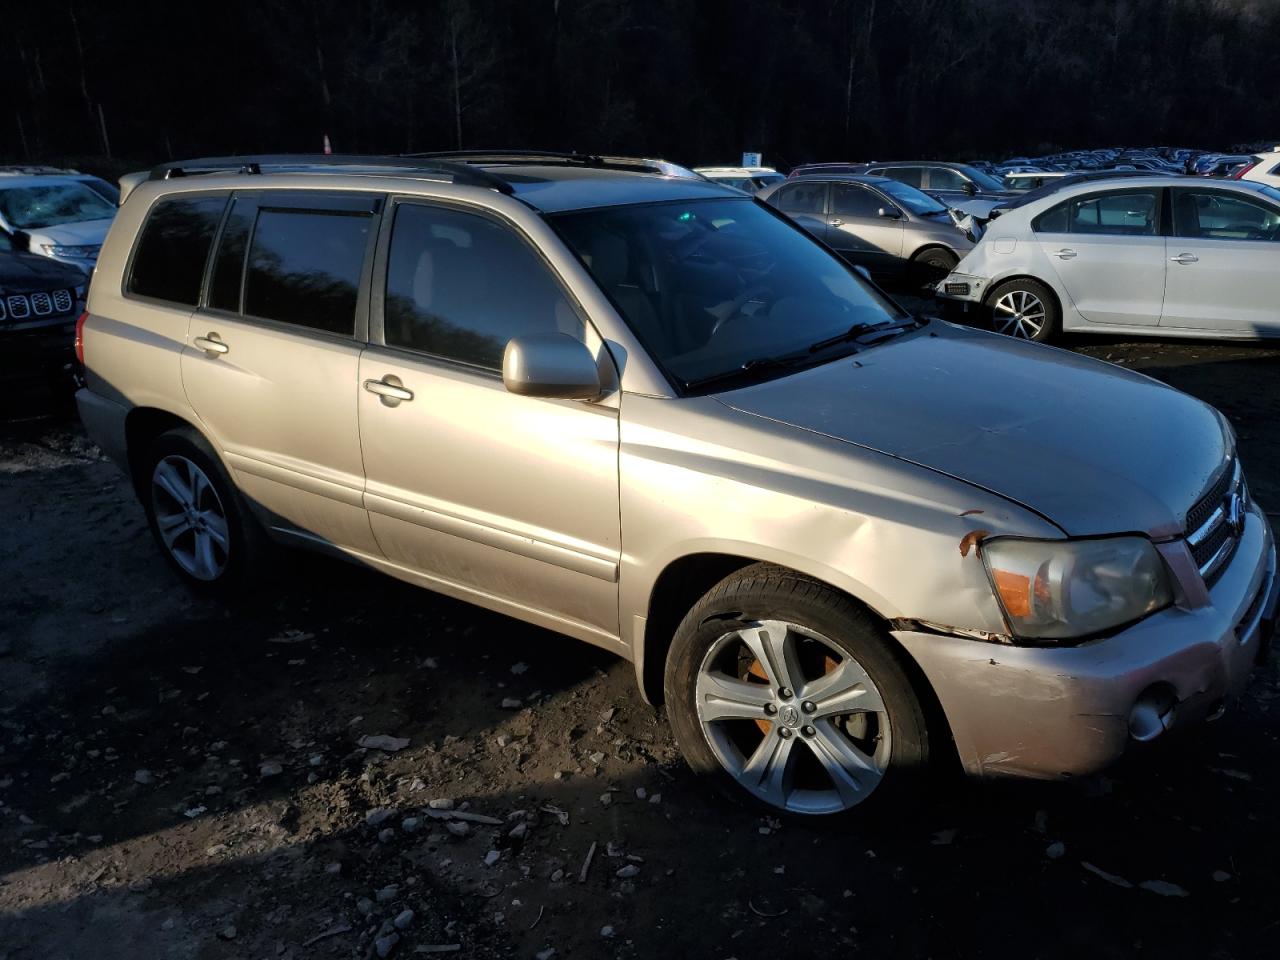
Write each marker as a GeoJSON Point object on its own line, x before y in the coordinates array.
{"type": "Point", "coordinates": [889, 213]}
{"type": "Point", "coordinates": [550, 365]}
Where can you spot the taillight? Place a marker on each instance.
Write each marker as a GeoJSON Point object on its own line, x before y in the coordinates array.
{"type": "Point", "coordinates": [80, 337]}
{"type": "Point", "coordinates": [1239, 174]}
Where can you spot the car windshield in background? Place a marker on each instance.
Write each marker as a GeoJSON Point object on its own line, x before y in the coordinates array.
{"type": "Point", "coordinates": [916, 201]}
{"type": "Point", "coordinates": [47, 205]}
{"type": "Point", "coordinates": [983, 180]}
{"type": "Point", "coordinates": [713, 287]}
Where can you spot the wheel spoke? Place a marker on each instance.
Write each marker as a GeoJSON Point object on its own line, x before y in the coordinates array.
{"type": "Point", "coordinates": [205, 562]}
{"type": "Point", "coordinates": [171, 527]}
{"type": "Point", "coordinates": [768, 770]}
{"type": "Point", "coordinates": [216, 526]}
{"type": "Point", "coordinates": [773, 646]}
{"type": "Point", "coordinates": [168, 479]}
{"type": "Point", "coordinates": [199, 485]}
{"type": "Point", "coordinates": [852, 772]}
{"type": "Point", "coordinates": [1005, 307]}
{"type": "Point", "coordinates": [846, 689]}
{"type": "Point", "coordinates": [721, 697]}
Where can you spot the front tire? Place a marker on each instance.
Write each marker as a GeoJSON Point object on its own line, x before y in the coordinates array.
{"type": "Point", "coordinates": [788, 694]}
{"type": "Point", "coordinates": [1024, 309]}
{"type": "Point", "coordinates": [197, 516]}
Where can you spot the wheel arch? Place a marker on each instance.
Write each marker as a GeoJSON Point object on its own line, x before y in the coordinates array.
{"type": "Point", "coordinates": [1023, 275]}
{"type": "Point", "coordinates": [141, 426]}
{"type": "Point", "coordinates": [924, 248]}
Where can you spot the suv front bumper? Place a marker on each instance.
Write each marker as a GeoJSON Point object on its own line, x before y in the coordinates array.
{"type": "Point", "coordinates": [1055, 712]}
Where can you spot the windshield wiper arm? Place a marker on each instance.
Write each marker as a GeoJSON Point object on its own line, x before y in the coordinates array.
{"type": "Point", "coordinates": [755, 365]}
{"type": "Point", "coordinates": [862, 329]}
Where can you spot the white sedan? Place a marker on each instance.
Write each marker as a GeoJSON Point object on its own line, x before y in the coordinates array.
{"type": "Point", "coordinates": [1155, 255]}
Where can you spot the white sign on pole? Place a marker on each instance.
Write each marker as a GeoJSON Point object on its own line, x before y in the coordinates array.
{"type": "Point", "coordinates": [751, 160]}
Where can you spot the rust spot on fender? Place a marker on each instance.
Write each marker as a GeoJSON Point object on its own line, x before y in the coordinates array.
{"type": "Point", "coordinates": [971, 540]}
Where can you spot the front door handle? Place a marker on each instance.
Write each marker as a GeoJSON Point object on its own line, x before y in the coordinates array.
{"type": "Point", "coordinates": [1185, 258]}
{"type": "Point", "coordinates": [1066, 253]}
{"type": "Point", "coordinates": [211, 344]}
{"type": "Point", "coordinates": [837, 222]}
{"type": "Point", "coordinates": [390, 389]}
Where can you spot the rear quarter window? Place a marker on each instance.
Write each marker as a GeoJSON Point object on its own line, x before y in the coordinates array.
{"type": "Point", "coordinates": [173, 246]}
{"type": "Point", "coordinates": [1053, 220]}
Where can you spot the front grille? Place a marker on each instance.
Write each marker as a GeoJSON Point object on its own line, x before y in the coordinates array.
{"type": "Point", "coordinates": [45, 303]}
{"type": "Point", "coordinates": [1215, 522]}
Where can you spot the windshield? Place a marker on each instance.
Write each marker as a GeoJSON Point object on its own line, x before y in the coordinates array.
{"type": "Point", "coordinates": [714, 286]}
{"type": "Point", "coordinates": [916, 201]}
{"type": "Point", "coordinates": [47, 205]}
{"type": "Point", "coordinates": [981, 179]}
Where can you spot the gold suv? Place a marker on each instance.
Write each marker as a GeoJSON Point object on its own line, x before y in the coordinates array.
{"type": "Point", "coordinates": [616, 400]}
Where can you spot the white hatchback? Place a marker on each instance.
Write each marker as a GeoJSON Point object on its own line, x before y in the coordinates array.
{"type": "Point", "coordinates": [1173, 256]}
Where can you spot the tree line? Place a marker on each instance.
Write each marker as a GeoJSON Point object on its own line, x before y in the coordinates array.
{"type": "Point", "coordinates": [696, 81]}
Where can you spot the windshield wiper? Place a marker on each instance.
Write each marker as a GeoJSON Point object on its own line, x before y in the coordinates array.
{"type": "Point", "coordinates": [862, 329]}
{"type": "Point", "coordinates": [756, 365]}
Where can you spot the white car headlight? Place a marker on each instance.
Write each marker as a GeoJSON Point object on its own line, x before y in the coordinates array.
{"type": "Point", "coordinates": [1063, 589]}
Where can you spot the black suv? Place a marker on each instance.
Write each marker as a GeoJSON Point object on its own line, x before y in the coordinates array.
{"type": "Point", "coordinates": [39, 298]}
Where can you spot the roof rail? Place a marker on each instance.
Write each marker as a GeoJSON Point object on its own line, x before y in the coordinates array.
{"type": "Point", "coordinates": [460, 173]}
{"type": "Point", "coordinates": [550, 157]}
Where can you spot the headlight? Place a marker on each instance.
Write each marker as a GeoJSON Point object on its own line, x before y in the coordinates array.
{"type": "Point", "coordinates": [87, 252]}
{"type": "Point", "coordinates": [1060, 589]}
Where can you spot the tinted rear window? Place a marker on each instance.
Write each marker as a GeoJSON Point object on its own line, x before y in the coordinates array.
{"type": "Point", "coordinates": [170, 259]}
{"type": "Point", "coordinates": [304, 268]}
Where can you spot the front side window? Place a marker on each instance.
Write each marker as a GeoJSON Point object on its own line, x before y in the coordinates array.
{"type": "Point", "coordinates": [47, 205]}
{"type": "Point", "coordinates": [459, 286]}
{"type": "Point", "coordinates": [1218, 215]}
{"type": "Point", "coordinates": [304, 268]}
{"type": "Point", "coordinates": [173, 248]}
{"type": "Point", "coordinates": [713, 287]}
{"type": "Point", "coordinates": [1129, 214]}
{"type": "Point", "coordinates": [802, 198]}
{"type": "Point", "coordinates": [853, 200]}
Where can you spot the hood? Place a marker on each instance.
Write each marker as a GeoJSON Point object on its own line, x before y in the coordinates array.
{"type": "Point", "coordinates": [83, 233]}
{"type": "Point", "coordinates": [27, 273]}
{"type": "Point", "coordinates": [1094, 448]}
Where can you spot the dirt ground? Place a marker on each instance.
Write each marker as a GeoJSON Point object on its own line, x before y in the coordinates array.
{"type": "Point", "coordinates": [181, 779]}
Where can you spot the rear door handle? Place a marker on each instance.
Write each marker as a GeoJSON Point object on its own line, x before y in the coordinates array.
{"type": "Point", "coordinates": [837, 222]}
{"type": "Point", "coordinates": [1066, 253]}
{"type": "Point", "coordinates": [1185, 258]}
{"type": "Point", "coordinates": [211, 344]}
{"type": "Point", "coordinates": [390, 389]}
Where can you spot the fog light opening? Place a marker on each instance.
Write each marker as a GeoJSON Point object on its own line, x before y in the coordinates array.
{"type": "Point", "coordinates": [1152, 713]}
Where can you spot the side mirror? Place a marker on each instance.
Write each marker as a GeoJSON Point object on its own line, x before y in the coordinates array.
{"type": "Point", "coordinates": [889, 213]}
{"type": "Point", "coordinates": [550, 365]}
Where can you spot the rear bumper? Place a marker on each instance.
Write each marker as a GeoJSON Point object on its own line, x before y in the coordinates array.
{"type": "Point", "coordinates": [104, 422]}
{"type": "Point", "coordinates": [1051, 713]}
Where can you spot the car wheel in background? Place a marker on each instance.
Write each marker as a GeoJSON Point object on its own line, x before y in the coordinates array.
{"type": "Point", "coordinates": [1024, 309]}
{"type": "Point", "coordinates": [196, 514]}
{"type": "Point", "coordinates": [787, 693]}
{"type": "Point", "coordinates": [931, 265]}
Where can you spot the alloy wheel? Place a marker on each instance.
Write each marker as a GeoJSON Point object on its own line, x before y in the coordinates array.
{"type": "Point", "coordinates": [1019, 313]}
{"type": "Point", "coordinates": [190, 517]}
{"type": "Point", "coordinates": [793, 718]}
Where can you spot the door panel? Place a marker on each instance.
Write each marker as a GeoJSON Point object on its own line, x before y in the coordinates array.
{"type": "Point", "coordinates": [1108, 254]}
{"type": "Point", "coordinates": [281, 405]}
{"type": "Point", "coordinates": [1224, 263]}
{"type": "Point", "coordinates": [513, 497]}
{"type": "Point", "coordinates": [859, 233]}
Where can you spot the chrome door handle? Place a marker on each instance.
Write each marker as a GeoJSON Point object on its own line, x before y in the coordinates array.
{"type": "Point", "coordinates": [837, 222]}
{"type": "Point", "coordinates": [1065, 254]}
{"type": "Point", "coordinates": [211, 344]}
{"type": "Point", "coordinates": [1185, 258]}
{"type": "Point", "coordinates": [389, 389]}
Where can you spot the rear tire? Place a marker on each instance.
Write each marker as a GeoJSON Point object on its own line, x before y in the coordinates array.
{"type": "Point", "coordinates": [788, 695]}
{"type": "Point", "coordinates": [930, 266]}
{"type": "Point", "coordinates": [197, 515]}
{"type": "Point", "coordinates": [1024, 309]}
